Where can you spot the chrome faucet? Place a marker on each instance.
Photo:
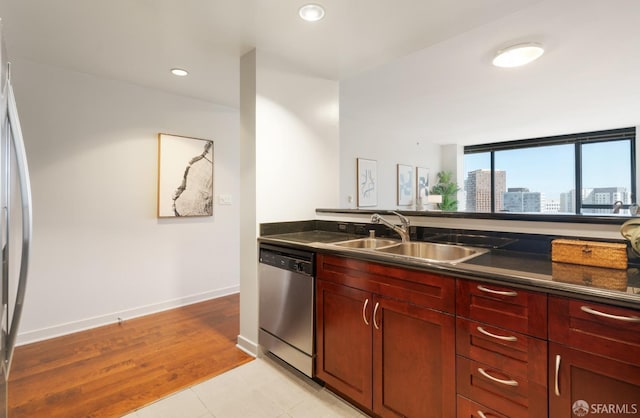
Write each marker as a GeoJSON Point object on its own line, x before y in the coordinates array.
{"type": "Point", "coordinates": [617, 206]}
{"type": "Point", "coordinates": [403, 230]}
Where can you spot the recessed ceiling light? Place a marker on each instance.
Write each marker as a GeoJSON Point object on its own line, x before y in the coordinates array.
{"type": "Point", "coordinates": [179, 72]}
{"type": "Point", "coordinates": [311, 12]}
{"type": "Point", "coordinates": [517, 55]}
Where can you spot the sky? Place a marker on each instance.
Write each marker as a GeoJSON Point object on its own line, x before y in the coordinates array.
{"type": "Point", "coordinates": [551, 169]}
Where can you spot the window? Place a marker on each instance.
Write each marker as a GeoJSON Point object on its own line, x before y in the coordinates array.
{"type": "Point", "coordinates": [542, 175]}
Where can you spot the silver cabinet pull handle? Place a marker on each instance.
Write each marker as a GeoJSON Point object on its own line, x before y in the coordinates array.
{"type": "Point", "coordinates": [504, 382]}
{"type": "Point", "coordinates": [497, 337]}
{"type": "Point", "coordinates": [497, 292]}
{"type": "Point", "coordinates": [364, 312]}
{"type": "Point", "coordinates": [557, 385]}
{"type": "Point", "coordinates": [481, 414]}
{"type": "Point", "coordinates": [375, 311]}
{"type": "Point", "coordinates": [610, 316]}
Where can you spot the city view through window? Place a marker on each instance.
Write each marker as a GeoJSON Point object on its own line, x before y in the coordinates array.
{"type": "Point", "coordinates": [542, 179]}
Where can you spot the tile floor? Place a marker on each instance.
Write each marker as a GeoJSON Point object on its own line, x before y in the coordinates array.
{"type": "Point", "coordinates": [259, 389]}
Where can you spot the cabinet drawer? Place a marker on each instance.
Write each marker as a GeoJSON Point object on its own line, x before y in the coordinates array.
{"type": "Point", "coordinates": [413, 286]}
{"type": "Point", "coordinates": [514, 309]}
{"type": "Point", "coordinates": [469, 409]}
{"type": "Point", "coordinates": [513, 396]}
{"type": "Point", "coordinates": [596, 328]}
{"type": "Point", "coordinates": [514, 353]}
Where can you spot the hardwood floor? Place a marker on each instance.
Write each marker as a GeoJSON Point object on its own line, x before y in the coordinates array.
{"type": "Point", "coordinates": [112, 370]}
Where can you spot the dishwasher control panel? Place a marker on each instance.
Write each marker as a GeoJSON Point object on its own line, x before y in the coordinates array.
{"type": "Point", "coordinates": [288, 259]}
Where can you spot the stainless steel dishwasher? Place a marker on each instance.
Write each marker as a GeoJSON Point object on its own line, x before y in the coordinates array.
{"type": "Point", "coordinates": [287, 299]}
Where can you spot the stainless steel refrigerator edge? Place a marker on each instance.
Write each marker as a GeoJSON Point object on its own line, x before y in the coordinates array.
{"type": "Point", "coordinates": [15, 223]}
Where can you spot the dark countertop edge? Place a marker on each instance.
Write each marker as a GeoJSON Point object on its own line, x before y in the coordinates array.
{"type": "Point", "coordinates": [512, 278]}
{"type": "Point", "coordinates": [580, 219]}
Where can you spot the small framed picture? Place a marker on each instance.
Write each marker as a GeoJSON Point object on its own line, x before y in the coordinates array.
{"type": "Point", "coordinates": [422, 182]}
{"type": "Point", "coordinates": [367, 178]}
{"type": "Point", "coordinates": [405, 185]}
{"type": "Point", "coordinates": [185, 176]}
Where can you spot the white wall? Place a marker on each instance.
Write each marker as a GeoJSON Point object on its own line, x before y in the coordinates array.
{"type": "Point", "coordinates": [295, 149]}
{"type": "Point", "coordinates": [450, 93]}
{"type": "Point", "coordinates": [297, 142]}
{"type": "Point", "coordinates": [358, 139]}
{"type": "Point", "coordinates": [99, 252]}
{"type": "Point", "coordinates": [248, 337]}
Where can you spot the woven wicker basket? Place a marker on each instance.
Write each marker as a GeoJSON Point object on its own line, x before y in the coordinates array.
{"type": "Point", "coordinates": [590, 253]}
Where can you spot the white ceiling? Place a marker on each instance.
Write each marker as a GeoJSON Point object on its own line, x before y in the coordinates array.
{"type": "Point", "coordinates": [138, 41]}
{"type": "Point", "coordinates": [587, 80]}
{"type": "Point", "coordinates": [410, 70]}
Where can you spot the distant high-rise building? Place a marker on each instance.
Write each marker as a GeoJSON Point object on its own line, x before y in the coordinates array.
{"type": "Point", "coordinates": [594, 196]}
{"type": "Point", "coordinates": [478, 190]}
{"type": "Point", "coordinates": [522, 200]}
{"type": "Point", "coordinates": [551, 206]}
{"type": "Point", "coordinates": [605, 196]}
{"type": "Point", "coordinates": [568, 202]}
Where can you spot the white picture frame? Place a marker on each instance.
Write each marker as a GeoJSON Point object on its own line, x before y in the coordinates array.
{"type": "Point", "coordinates": [406, 184]}
{"type": "Point", "coordinates": [422, 182]}
{"type": "Point", "coordinates": [367, 182]}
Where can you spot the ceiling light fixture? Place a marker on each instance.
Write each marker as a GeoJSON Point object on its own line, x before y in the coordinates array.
{"type": "Point", "coordinates": [517, 55]}
{"type": "Point", "coordinates": [179, 72]}
{"type": "Point", "coordinates": [311, 12]}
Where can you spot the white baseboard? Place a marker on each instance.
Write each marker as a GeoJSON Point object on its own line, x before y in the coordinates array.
{"type": "Point", "coordinates": [85, 324]}
{"type": "Point", "coordinates": [247, 346]}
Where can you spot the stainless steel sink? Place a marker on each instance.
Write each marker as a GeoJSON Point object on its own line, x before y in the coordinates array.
{"type": "Point", "coordinates": [417, 250]}
{"type": "Point", "coordinates": [366, 243]}
{"type": "Point", "coordinates": [428, 251]}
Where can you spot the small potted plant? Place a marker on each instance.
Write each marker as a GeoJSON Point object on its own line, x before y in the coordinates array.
{"type": "Point", "coordinates": [448, 189]}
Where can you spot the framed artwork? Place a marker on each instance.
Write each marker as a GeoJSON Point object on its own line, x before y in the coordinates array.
{"type": "Point", "coordinates": [405, 185]}
{"type": "Point", "coordinates": [422, 182]}
{"type": "Point", "coordinates": [185, 176]}
{"type": "Point", "coordinates": [367, 176]}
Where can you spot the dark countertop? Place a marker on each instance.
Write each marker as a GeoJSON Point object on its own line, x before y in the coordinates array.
{"type": "Point", "coordinates": [518, 269]}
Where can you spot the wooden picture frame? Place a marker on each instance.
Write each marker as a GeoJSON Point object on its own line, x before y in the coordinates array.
{"type": "Point", "coordinates": [185, 176]}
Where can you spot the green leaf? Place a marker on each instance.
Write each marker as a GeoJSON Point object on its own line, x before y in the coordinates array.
{"type": "Point", "coordinates": [447, 189]}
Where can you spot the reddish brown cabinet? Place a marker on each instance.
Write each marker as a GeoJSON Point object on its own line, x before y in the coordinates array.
{"type": "Point", "coordinates": [515, 309]}
{"type": "Point", "coordinates": [343, 344]}
{"type": "Point", "coordinates": [594, 359]}
{"type": "Point", "coordinates": [501, 363]}
{"type": "Point", "coordinates": [380, 344]}
{"type": "Point", "coordinates": [388, 340]}
{"type": "Point", "coordinates": [469, 409]}
{"type": "Point", "coordinates": [413, 361]}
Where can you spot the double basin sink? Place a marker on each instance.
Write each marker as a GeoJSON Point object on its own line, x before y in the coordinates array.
{"type": "Point", "coordinates": [417, 250]}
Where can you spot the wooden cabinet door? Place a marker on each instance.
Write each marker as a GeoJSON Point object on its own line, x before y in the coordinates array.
{"type": "Point", "coordinates": [413, 361]}
{"type": "Point", "coordinates": [344, 340]}
{"type": "Point", "coordinates": [584, 384]}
